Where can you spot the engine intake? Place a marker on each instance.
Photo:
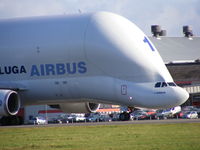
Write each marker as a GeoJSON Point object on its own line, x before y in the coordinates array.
{"type": "Point", "coordinates": [9, 103]}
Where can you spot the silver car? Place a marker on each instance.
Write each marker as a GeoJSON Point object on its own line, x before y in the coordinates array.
{"type": "Point", "coordinates": [191, 115]}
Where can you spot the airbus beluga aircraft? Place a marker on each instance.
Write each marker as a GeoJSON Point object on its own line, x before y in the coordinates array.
{"type": "Point", "coordinates": [79, 61]}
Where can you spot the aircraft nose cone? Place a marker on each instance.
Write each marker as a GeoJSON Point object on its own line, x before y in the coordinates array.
{"type": "Point", "coordinates": [182, 95]}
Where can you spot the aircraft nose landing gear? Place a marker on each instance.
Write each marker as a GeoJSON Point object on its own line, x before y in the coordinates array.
{"type": "Point", "coordinates": [125, 116]}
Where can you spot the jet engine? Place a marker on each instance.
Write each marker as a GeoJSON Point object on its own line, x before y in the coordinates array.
{"type": "Point", "coordinates": [9, 102]}
{"type": "Point", "coordinates": [84, 107]}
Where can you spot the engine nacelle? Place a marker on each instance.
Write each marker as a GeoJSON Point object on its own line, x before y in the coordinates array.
{"type": "Point", "coordinates": [9, 102]}
{"type": "Point", "coordinates": [79, 107]}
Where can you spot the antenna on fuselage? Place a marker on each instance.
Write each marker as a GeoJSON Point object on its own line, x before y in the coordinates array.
{"type": "Point", "coordinates": [80, 12]}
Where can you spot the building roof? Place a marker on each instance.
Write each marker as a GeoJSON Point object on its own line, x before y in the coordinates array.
{"type": "Point", "coordinates": [177, 48]}
{"type": "Point", "coordinates": [179, 55]}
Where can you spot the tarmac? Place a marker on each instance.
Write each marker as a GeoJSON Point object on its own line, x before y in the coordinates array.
{"type": "Point", "coordinates": [167, 121]}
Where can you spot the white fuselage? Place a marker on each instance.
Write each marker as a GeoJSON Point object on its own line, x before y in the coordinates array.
{"type": "Point", "coordinates": [99, 57]}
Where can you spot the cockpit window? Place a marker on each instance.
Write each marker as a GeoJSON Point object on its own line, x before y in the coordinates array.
{"type": "Point", "coordinates": [171, 83]}
{"type": "Point", "coordinates": [158, 84]}
{"type": "Point", "coordinates": [164, 84]}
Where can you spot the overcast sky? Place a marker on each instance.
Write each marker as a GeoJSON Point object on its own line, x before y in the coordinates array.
{"type": "Point", "coordinates": [170, 14]}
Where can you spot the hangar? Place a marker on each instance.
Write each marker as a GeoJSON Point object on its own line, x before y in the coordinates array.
{"type": "Point", "coordinates": [182, 58]}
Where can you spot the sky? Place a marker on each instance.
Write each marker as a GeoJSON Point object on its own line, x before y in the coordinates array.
{"type": "Point", "coordinates": [170, 14]}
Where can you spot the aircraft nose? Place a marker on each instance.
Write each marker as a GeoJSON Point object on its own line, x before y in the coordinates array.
{"type": "Point", "coordinates": [181, 95]}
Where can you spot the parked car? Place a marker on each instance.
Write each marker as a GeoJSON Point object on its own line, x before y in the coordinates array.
{"type": "Point", "coordinates": [162, 114]}
{"type": "Point", "coordinates": [190, 115]}
{"type": "Point", "coordinates": [176, 109]}
{"type": "Point", "coordinates": [180, 114]}
{"type": "Point", "coordinates": [140, 116]}
{"type": "Point", "coordinates": [71, 118]}
{"type": "Point", "coordinates": [93, 117]}
{"type": "Point", "coordinates": [115, 116]}
{"type": "Point", "coordinates": [105, 118]}
{"type": "Point", "coordinates": [38, 120]}
{"type": "Point", "coordinates": [134, 115]}
{"type": "Point", "coordinates": [151, 114]}
{"type": "Point", "coordinates": [168, 113]}
{"type": "Point", "coordinates": [80, 118]}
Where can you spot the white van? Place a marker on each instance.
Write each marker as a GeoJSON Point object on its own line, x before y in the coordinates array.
{"type": "Point", "coordinates": [38, 120]}
{"type": "Point", "coordinates": [168, 113]}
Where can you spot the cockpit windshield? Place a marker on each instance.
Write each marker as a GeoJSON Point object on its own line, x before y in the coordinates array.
{"type": "Point", "coordinates": [164, 84]}
{"type": "Point", "coordinates": [171, 83]}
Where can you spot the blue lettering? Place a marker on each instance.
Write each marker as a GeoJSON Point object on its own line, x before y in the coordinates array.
{"type": "Point", "coordinates": [42, 70]}
{"type": "Point", "coordinates": [47, 69]}
{"type": "Point", "coordinates": [12, 70]}
{"type": "Point", "coordinates": [50, 69]}
{"type": "Point", "coordinates": [60, 69]}
{"type": "Point", "coordinates": [82, 67]}
{"type": "Point", "coordinates": [22, 70]}
{"type": "Point", "coordinates": [71, 68]}
{"type": "Point", "coordinates": [147, 41]}
{"type": "Point", "coordinates": [1, 71]}
{"type": "Point", "coordinates": [7, 70]}
{"type": "Point", "coordinates": [15, 69]}
{"type": "Point", "coordinates": [34, 71]}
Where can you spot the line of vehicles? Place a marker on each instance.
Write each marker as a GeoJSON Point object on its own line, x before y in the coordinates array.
{"type": "Point", "coordinates": [188, 112]}
{"type": "Point", "coordinates": [72, 118]}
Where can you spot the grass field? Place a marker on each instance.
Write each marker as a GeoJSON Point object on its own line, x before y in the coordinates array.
{"type": "Point", "coordinates": [185, 136]}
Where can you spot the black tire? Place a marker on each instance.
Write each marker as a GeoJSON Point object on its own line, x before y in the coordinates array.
{"type": "Point", "coordinates": [11, 120]}
{"type": "Point", "coordinates": [124, 116]}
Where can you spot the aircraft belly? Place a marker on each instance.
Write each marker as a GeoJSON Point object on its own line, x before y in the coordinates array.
{"type": "Point", "coordinates": [70, 89]}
